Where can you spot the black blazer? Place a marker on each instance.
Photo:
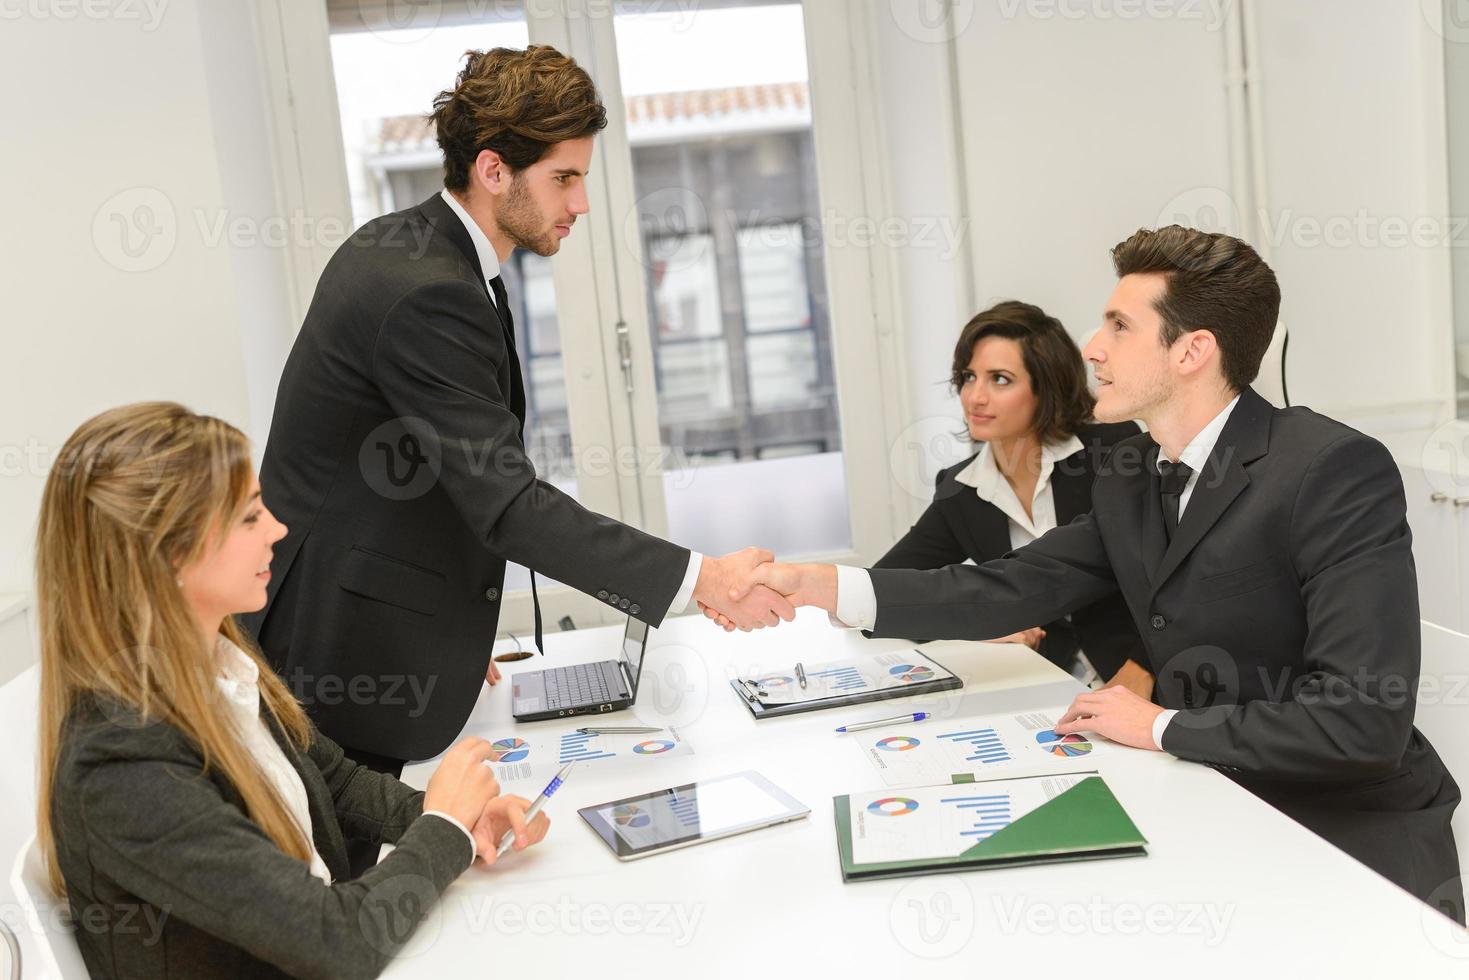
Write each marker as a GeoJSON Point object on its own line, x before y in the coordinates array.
{"type": "Point", "coordinates": [958, 525]}
{"type": "Point", "coordinates": [166, 876]}
{"type": "Point", "coordinates": [1282, 620]}
{"type": "Point", "coordinates": [395, 459]}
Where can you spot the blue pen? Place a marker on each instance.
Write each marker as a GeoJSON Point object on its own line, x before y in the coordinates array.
{"type": "Point", "coordinates": [535, 807]}
{"type": "Point", "coordinates": [915, 716]}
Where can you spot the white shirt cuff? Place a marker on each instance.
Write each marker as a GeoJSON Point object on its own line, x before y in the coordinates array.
{"type": "Point", "coordinates": [473, 850]}
{"type": "Point", "coordinates": [856, 602]}
{"type": "Point", "coordinates": [1160, 723]}
{"type": "Point", "coordinates": [684, 597]}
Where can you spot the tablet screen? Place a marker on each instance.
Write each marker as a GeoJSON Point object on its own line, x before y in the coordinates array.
{"type": "Point", "coordinates": [694, 812]}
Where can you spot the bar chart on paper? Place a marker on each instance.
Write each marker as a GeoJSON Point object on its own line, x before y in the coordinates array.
{"type": "Point", "coordinates": [935, 752]}
{"type": "Point", "coordinates": [980, 815]}
{"type": "Point", "coordinates": [537, 756]}
{"type": "Point", "coordinates": [944, 821]}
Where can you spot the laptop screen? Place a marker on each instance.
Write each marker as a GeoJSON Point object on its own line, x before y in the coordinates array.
{"type": "Point", "coordinates": [634, 639]}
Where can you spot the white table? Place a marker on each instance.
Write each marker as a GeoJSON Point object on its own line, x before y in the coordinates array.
{"type": "Point", "coordinates": [1230, 888]}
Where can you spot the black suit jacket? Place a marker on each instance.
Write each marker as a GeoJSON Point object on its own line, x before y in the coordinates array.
{"type": "Point", "coordinates": [167, 876]}
{"type": "Point", "coordinates": [395, 459]}
{"type": "Point", "coordinates": [1282, 620]}
{"type": "Point", "coordinates": [958, 525]}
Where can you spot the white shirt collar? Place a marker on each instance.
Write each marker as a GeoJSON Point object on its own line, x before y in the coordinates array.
{"type": "Point", "coordinates": [1201, 445]}
{"type": "Point", "coordinates": [239, 679]}
{"type": "Point", "coordinates": [983, 472]}
{"type": "Point", "coordinates": [489, 263]}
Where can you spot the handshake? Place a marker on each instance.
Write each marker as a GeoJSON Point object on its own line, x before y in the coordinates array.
{"type": "Point", "coordinates": [749, 589]}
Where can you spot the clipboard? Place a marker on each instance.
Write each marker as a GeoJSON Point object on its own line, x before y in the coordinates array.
{"type": "Point", "coordinates": [947, 682]}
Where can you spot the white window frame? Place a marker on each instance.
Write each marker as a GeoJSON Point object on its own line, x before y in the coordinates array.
{"type": "Point", "coordinates": [595, 289]}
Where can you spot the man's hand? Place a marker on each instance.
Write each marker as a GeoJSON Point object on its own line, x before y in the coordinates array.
{"type": "Point", "coordinates": [1134, 677]}
{"type": "Point", "coordinates": [801, 585]}
{"type": "Point", "coordinates": [506, 813]}
{"type": "Point", "coordinates": [1114, 712]}
{"type": "Point", "coordinates": [728, 594]}
{"type": "Point", "coordinates": [1031, 637]}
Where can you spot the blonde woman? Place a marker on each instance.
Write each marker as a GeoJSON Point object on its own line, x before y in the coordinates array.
{"type": "Point", "coordinates": [181, 782]}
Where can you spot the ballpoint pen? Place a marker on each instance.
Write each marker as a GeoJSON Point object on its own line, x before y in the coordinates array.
{"type": "Point", "coordinates": [535, 807]}
{"type": "Point", "coordinates": [801, 674]}
{"type": "Point", "coordinates": [623, 730]}
{"type": "Point", "coordinates": [899, 719]}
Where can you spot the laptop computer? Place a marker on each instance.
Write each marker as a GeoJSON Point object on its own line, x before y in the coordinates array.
{"type": "Point", "coordinates": [582, 689]}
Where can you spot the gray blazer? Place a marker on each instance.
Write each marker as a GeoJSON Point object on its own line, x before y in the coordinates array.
{"type": "Point", "coordinates": [166, 876]}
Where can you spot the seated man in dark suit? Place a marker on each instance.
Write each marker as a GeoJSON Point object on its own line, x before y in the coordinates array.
{"type": "Point", "coordinates": [1264, 555]}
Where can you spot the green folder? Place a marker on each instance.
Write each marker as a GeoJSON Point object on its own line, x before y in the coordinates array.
{"type": "Point", "coordinates": [1083, 823]}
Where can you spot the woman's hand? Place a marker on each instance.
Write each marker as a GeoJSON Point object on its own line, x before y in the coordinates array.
{"type": "Point", "coordinates": [507, 813]}
{"type": "Point", "coordinates": [1135, 678]}
{"type": "Point", "coordinates": [463, 785]}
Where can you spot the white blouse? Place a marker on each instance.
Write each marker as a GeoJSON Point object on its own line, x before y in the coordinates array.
{"type": "Point", "coordinates": [239, 682]}
{"type": "Point", "coordinates": [983, 474]}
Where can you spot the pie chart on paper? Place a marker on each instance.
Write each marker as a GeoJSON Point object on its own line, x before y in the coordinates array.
{"type": "Point", "coordinates": [1065, 746]}
{"type": "Point", "coordinates": [508, 750]}
{"type": "Point", "coordinates": [911, 674]}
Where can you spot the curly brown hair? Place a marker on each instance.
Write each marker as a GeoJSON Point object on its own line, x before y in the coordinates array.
{"type": "Point", "coordinates": [1057, 373]}
{"type": "Point", "coordinates": [517, 103]}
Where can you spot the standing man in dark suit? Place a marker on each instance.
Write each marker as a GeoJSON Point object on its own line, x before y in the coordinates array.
{"type": "Point", "coordinates": [1265, 558]}
{"type": "Point", "coordinates": [395, 454]}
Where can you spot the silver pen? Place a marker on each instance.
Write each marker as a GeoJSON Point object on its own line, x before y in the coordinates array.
{"type": "Point", "coordinates": [535, 807]}
{"type": "Point", "coordinates": [624, 730]}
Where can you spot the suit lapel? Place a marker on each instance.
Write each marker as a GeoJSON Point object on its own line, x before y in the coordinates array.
{"type": "Point", "coordinates": [1245, 439]}
{"type": "Point", "coordinates": [326, 838]}
{"type": "Point", "coordinates": [1071, 487]}
{"type": "Point", "coordinates": [447, 223]}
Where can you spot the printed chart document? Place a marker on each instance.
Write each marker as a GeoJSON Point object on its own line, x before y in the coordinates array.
{"type": "Point", "coordinates": [539, 755]}
{"type": "Point", "coordinates": [848, 681]}
{"type": "Point", "coordinates": [984, 823]}
{"type": "Point", "coordinates": [933, 751]}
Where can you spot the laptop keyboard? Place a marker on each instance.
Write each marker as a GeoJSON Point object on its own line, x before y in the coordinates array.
{"type": "Point", "coordinates": [576, 685]}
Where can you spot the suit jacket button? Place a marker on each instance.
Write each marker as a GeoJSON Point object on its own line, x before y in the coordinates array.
{"type": "Point", "coordinates": [602, 595]}
{"type": "Point", "coordinates": [634, 609]}
{"type": "Point", "coordinates": [492, 594]}
{"type": "Point", "coordinates": [623, 604]}
{"type": "Point", "coordinates": [1157, 622]}
{"type": "Point", "coordinates": [612, 598]}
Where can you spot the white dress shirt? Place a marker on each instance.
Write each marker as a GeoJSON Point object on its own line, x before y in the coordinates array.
{"type": "Point", "coordinates": [857, 602]}
{"type": "Point", "coordinates": [489, 264]}
{"type": "Point", "coordinates": [239, 683]}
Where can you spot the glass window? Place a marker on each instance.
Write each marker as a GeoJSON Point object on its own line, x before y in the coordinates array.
{"type": "Point", "coordinates": [729, 212]}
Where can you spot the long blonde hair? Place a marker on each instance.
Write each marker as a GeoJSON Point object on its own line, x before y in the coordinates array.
{"type": "Point", "coordinates": [136, 494]}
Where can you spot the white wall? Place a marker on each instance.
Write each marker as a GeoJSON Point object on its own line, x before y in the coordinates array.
{"type": "Point", "coordinates": [121, 121]}
{"type": "Point", "coordinates": [1355, 154]}
{"type": "Point", "coordinates": [1081, 123]}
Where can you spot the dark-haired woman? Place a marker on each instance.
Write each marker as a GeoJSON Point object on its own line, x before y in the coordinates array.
{"type": "Point", "coordinates": [1022, 385]}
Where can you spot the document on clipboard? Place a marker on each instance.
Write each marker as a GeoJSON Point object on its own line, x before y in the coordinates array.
{"type": "Point", "coordinates": [854, 680]}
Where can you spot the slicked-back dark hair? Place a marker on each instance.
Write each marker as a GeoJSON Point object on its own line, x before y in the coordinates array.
{"type": "Point", "coordinates": [1212, 282]}
{"type": "Point", "coordinates": [517, 103]}
{"type": "Point", "coordinates": [1051, 358]}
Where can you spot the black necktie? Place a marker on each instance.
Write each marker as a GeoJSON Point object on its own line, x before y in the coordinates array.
{"type": "Point", "coordinates": [1170, 489]}
{"type": "Point", "coordinates": [507, 323]}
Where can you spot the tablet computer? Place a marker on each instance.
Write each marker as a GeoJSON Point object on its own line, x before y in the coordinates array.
{"type": "Point", "coordinates": [691, 814]}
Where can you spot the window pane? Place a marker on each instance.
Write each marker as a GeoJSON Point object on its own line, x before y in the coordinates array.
{"type": "Point", "coordinates": [729, 213]}
{"type": "Point", "coordinates": [387, 77]}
